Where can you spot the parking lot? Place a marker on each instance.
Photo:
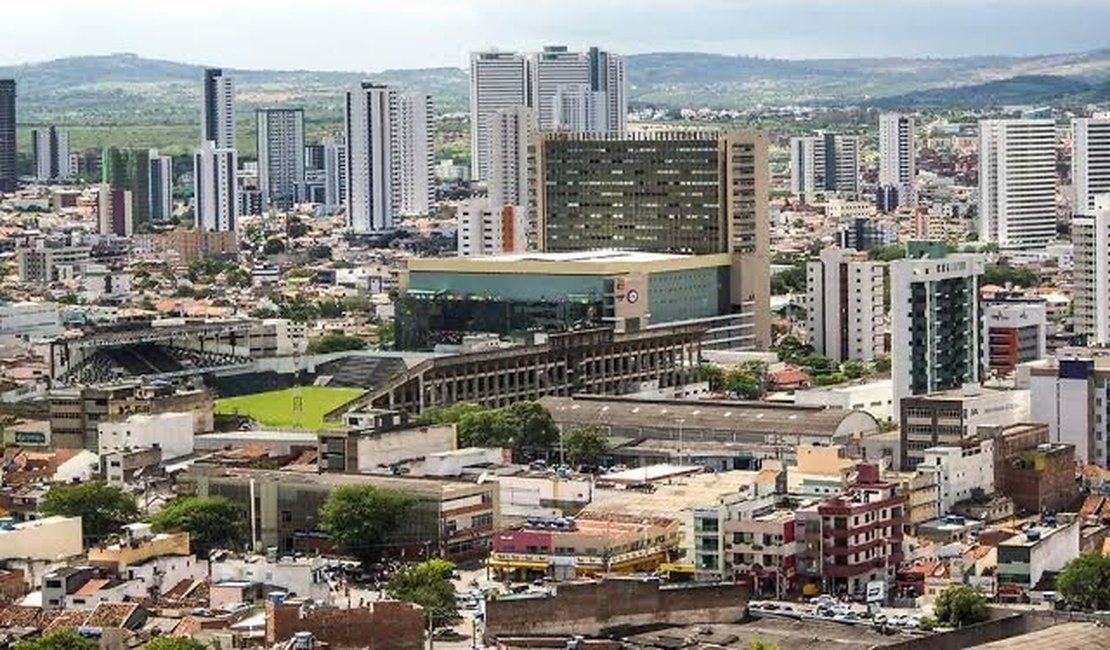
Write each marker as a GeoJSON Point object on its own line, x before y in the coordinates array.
{"type": "Point", "coordinates": [827, 608]}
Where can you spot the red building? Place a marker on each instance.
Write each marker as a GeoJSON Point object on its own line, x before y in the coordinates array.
{"type": "Point", "coordinates": [850, 540]}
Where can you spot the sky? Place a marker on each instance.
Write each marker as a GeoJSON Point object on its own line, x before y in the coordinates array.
{"type": "Point", "coordinates": [373, 35]}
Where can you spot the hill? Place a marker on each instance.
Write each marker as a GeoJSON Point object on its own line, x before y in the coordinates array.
{"type": "Point", "coordinates": [1026, 89]}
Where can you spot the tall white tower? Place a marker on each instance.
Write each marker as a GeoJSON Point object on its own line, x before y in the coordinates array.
{"type": "Point", "coordinates": [414, 155]}
{"type": "Point", "coordinates": [1017, 182]}
{"type": "Point", "coordinates": [498, 80]}
{"type": "Point", "coordinates": [1090, 233]}
{"type": "Point", "coordinates": [280, 155]}
{"type": "Point", "coordinates": [217, 113]}
{"type": "Point", "coordinates": [509, 132]}
{"type": "Point", "coordinates": [1090, 161]}
{"type": "Point", "coordinates": [216, 189]}
{"type": "Point", "coordinates": [897, 152]}
{"type": "Point", "coordinates": [369, 134]}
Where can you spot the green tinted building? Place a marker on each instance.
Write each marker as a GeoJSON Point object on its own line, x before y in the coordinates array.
{"type": "Point", "coordinates": [129, 169]}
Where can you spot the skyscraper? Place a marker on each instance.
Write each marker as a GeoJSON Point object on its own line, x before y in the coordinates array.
{"type": "Point", "coordinates": [281, 160]}
{"type": "Point", "coordinates": [1090, 234]}
{"type": "Point", "coordinates": [368, 118]}
{"type": "Point", "coordinates": [509, 132]}
{"type": "Point", "coordinates": [414, 155]}
{"type": "Point", "coordinates": [1017, 182]}
{"type": "Point", "coordinates": [897, 156]}
{"type": "Point", "coordinates": [8, 175]}
{"type": "Point", "coordinates": [160, 183]}
{"type": "Point", "coordinates": [935, 328]}
{"type": "Point", "coordinates": [114, 206]}
{"type": "Point", "coordinates": [216, 189]}
{"type": "Point", "coordinates": [826, 162]}
{"type": "Point", "coordinates": [845, 305]}
{"type": "Point", "coordinates": [50, 153]}
{"type": "Point", "coordinates": [1090, 161]}
{"type": "Point", "coordinates": [498, 80]}
{"type": "Point", "coordinates": [217, 115]}
{"type": "Point", "coordinates": [335, 173]}
{"type": "Point", "coordinates": [129, 170]}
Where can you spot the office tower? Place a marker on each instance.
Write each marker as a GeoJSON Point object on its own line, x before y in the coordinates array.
{"type": "Point", "coordinates": [1090, 235]}
{"type": "Point", "coordinates": [607, 75]}
{"type": "Point", "coordinates": [217, 115]}
{"type": "Point", "coordinates": [50, 153]}
{"type": "Point", "coordinates": [897, 163]}
{"type": "Point", "coordinates": [281, 161]}
{"type": "Point", "coordinates": [498, 80]}
{"type": "Point", "coordinates": [577, 91]}
{"type": "Point", "coordinates": [486, 227]}
{"type": "Point", "coordinates": [549, 72]}
{"type": "Point", "coordinates": [414, 155]}
{"type": "Point", "coordinates": [129, 169]}
{"type": "Point", "coordinates": [1017, 182]}
{"type": "Point", "coordinates": [216, 189]}
{"type": "Point", "coordinates": [160, 184]}
{"type": "Point", "coordinates": [335, 173]}
{"type": "Point", "coordinates": [114, 211]}
{"type": "Point", "coordinates": [369, 120]}
{"type": "Point", "coordinates": [935, 326]}
{"type": "Point", "coordinates": [845, 305]}
{"type": "Point", "coordinates": [579, 109]}
{"type": "Point", "coordinates": [509, 132]}
{"type": "Point", "coordinates": [826, 162]}
{"type": "Point", "coordinates": [696, 192]}
{"type": "Point", "coordinates": [1090, 161]}
{"type": "Point", "coordinates": [8, 175]}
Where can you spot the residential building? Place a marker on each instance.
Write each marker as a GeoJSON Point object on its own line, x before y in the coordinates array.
{"type": "Point", "coordinates": [30, 321]}
{"type": "Point", "coordinates": [763, 548]}
{"type": "Point", "coordinates": [1042, 479]}
{"type": "Point", "coordinates": [508, 132]}
{"type": "Point", "coordinates": [281, 161]}
{"type": "Point", "coordinates": [1071, 395]}
{"type": "Point", "coordinates": [845, 305]}
{"type": "Point", "coordinates": [1009, 442]}
{"type": "Point", "coordinates": [486, 227]}
{"type": "Point", "coordinates": [963, 472]}
{"type": "Point", "coordinates": [114, 211]}
{"type": "Point", "coordinates": [935, 319]}
{"type": "Point", "coordinates": [8, 172]}
{"type": "Point", "coordinates": [1017, 182]}
{"type": "Point", "coordinates": [171, 432]}
{"type": "Point", "coordinates": [591, 82]}
{"type": "Point", "coordinates": [138, 544]}
{"type": "Point", "coordinates": [76, 413]}
{"type": "Point", "coordinates": [1091, 254]}
{"type": "Point", "coordinates": [1014, 332]}
{"type": "Point", "coordinates": [717, 180]}
{"type": "Point", "coordinates": [826, 162]}
{"type": "Point", "coordinates": [866, 233]}
{"type": "Point", "coordinates": [216, 188]}
{"type": "Point", "coordinates": [370, 119]}
{"type": "Point", "coordinates": [335, 173]}
{"type": "Point", "coordinates": [50, 153]}
{"type": "Point", "coordinates": [949, 418]}
{"type": "Point", "coordinates": [128, 170]}
{"type": "Point", "coordinates": [160, 184]}
{"type": "Point", "coordinates": [49, 263]}
{"type": "Point", "coordinates": [1090, 161]}
{"type": "Point", "coordinates": [414, 155]}
{"type": "Point", "coordinates": [1024, 558]}
{"type": "Point", "coordinates": [217, 114]}
{"type": "Point", "coordinates": [498, 81]}
{"type": "Point", "coordinates": [897, 157]}
{"type": "Point", "coordinates": [294, 575]}
{"type": "Point", "coordinates": [47, 539]}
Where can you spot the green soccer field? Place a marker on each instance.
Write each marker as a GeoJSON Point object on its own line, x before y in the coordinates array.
{"type": "Point", "coordinates": [279, 408]}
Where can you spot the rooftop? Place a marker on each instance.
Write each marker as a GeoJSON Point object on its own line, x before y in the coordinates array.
{"type": "Point", "coordinates": [674, 496]}
{"type": "Point", "coordinates": [419, 486]}
{"type": "Point", "coordinates": [1067, 636]}
{"type": "Point", "coordinates": [600, 262]}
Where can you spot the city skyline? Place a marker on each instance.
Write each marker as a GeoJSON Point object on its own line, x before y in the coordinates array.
{"type": "Point", "coordinates": [434, 33]}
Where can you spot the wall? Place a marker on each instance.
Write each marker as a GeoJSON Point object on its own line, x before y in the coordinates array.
{"type": "Point", "coordinates": [173, 432]}
{"type": "Point", "coordinates": [300, 578]}
{"type": "Point", "coordinates": [51, 538]}
{"type": "Point", "coordinates": [875, 397]}
{"type": "Point", "coordinates": [521, 496]}
{"type": "Point", "coordinates": [157, 546]}
{"type": "Point", "coordinates": [383, 625]}
{"type": "Point", "coordinates": [589, 608]}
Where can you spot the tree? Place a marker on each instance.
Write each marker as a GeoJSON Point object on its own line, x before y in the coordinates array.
{"type": "Point", "coordinates": [273, 246]}
{"type": "Point", "coordinates": [172, 643]}
{"type": "Point", "coordinates": [960, 605]}
{"type": "Point", "coordinates": [359, 518]}
{"type": "Point", "coordinates": [449, 414]}
{"type": "Point", "coordinates": [58, 640]}
{"type": "Point", "coordinates": [212, 522]}
{"type": "Point", "coordinates": [853, 369]}
{"type": "Point", "coordinates": [715, 375]}
{"type": "Point", "coordinates": [386, 334]}
{"type": "Point", "coordinates": [791, 349]}
{"type": "Point", "coordinates": [487, 428]}
{"type": "Point", "coordinates": [427, 584]}
{"type": "Point", "coordinates": [535, 428]}
{"type": "Point", "coordinates": [760, 644]}
{"type": "Point", "coordinates": [1001, 274]}
{"type": "Point", "coordinates": [882, 364]}
{"type": "Point", "coordinates": [586, 445]}
{"type": "Point", "coordinates": [295, 228]}
{"type": "Point", "coordinates": [102, 508]}
{"type": "Point", "coordinates": [791, 280]}
{"type": "Point", "coordinates": [887, 253]}
{"type": "Point", "coordinates": [745, 382]}
{"type": "Point", "coordinates": [1085, 581]}
{"type": "Point", "coordinates": [335, 343]}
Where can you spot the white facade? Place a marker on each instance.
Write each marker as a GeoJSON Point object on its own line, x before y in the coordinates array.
{"type": "Point", "coordinates": [874, 397]}
{"type": "Point", "coordinates": [166, 572]}
{"type": "Point", "coordinates": [47, 539]}
{"type": "Point", "coordinates": [172, 432]}
{"type": "Point", "coordinates": [30, 320]}
{"type": "Point", "coordinates": [959, 472]}
{"type": "Point", "coordinates": [217, 112]}
{"type": "Point", "coordinates": [1090, 161]}
{"type": "Point", "coordinates": [216, 188]}
{"type": "Point", "coordinates": [508, 133]}
{"type": "Point", "coordinates": [845, 305]}
{"type": "Point", "coordinates": [826, 162]}
{"type": "Point", "coordinates": [1091, 259]}
{"type": "Point", "coordinates": [280, 155]}
{"type": "Point", "coordinates": [487, 228]}
{"type": "Point", "coordinates": [300, 576]}
{"type": "Point", "coordinates": [1017, 182]}
{"type": "Point", "coordinates": [369, 125]}
{"type": "Point", "coordinates": [50, 154]}
{"type": "Point", "coordinates": [498, 80]}
{"type": "Point", "coordinates": [897, 155]}
{"type": "Point", "coordinates": [335, 173]}
{"type": "Point", "coordinates": [414, 155]}
{"type": "Point", "coordinates": [1028, 319]}
{"type": "Point", "coordinates": [1073, 398]}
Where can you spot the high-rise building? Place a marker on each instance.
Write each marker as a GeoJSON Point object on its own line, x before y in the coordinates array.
{"type": "Point", "coordinates": [696, 192]}
{"type": "Point", "coordinates": [217, 115]}
{"type": "Point", "coordinates": [335, 173]}
{"type": "Point", "coordinates": [826, 162]}
{"type": "Point", "coordinates": [1017, 182]}
{"type": "Point", "coordinates": [414, 155]}
{"type": "Point", "coordinates": [129, 169]}
{"type": "Point", "coordinates": [1090, 235]}
{"type": "Point", "coordinates": [8, 173]}
{"type": "Point", "coordinates": [1072, 395]}
{"type": "Point", "coordinates": [160, 183]}
{"type": "Point", "coordinates": [509, 132]}
{"type": "Point", "coordinates": [865, 233]}
{"type": "Point", "coordinates": [498, 80]}
{"type": "Point", "coordinates": [935, 319]}
{"type": "Point", "coordinates": [216, 188]}
{"type": "Point", "coordinates": [607, 75]}
{"type": "Point", "coordinates": [845, 305]}
{"type": "Point", "coordinates": [50, 153]}
{"type": "Point", "coordinates": [486, 227]}
{"type": "Point", "coordinates": [897, 152]}
{"type": "Point", "coordinates": [576, 108]}
{"type": "Point", "coordinates": [314, 157]}
{"type": "Point", "coordinates": [1090, 161]}
{"type": "Point", "coordinates": [281, 160]}
{"type": "Point", "coordinates": [114, 211]}
{"type": "Point", "coordinates": [369, 125]}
